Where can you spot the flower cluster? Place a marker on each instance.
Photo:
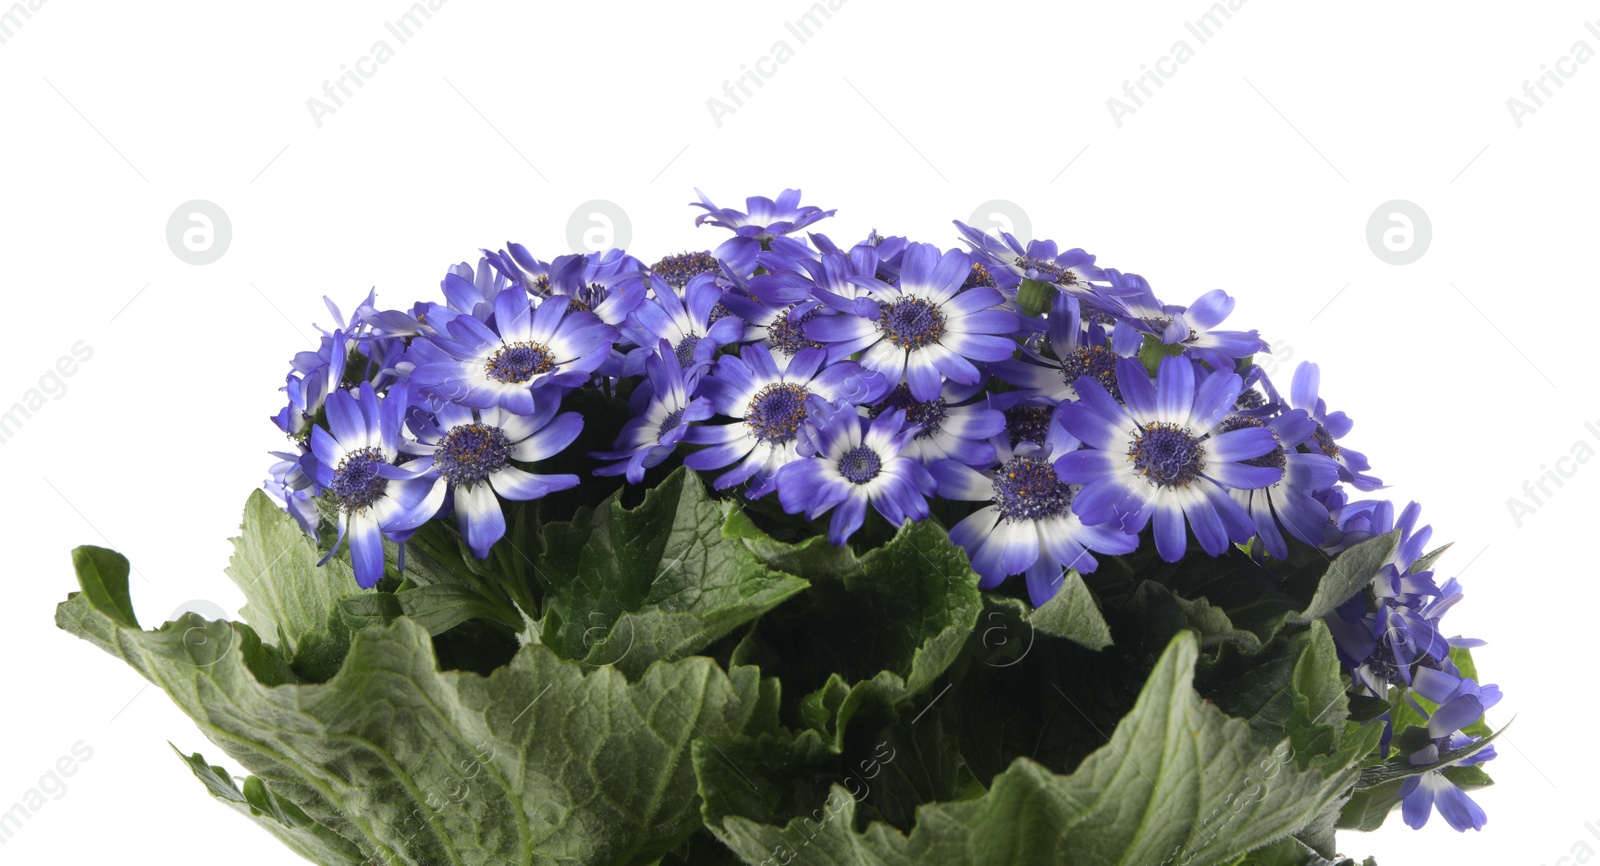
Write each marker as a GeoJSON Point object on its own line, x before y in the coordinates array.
{"type": "Point", "coordinates": [1059, 410]}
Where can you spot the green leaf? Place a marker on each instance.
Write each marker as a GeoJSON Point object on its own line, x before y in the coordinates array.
{"type": "Point", "coordinates": [1034, 297]}
{"type": "Point", "coordinates": [1365, 708]}
{"type": "Point", "coordinates": [888, 627]}
{"type": "Point", "coordinates": [1253, 599]}
{"type": "Point", "coordinates": [1351, 571]}
{"type": "Point", "coordinates": [1320, 705]}
{"type": "Point", "coordinates": [103, 576]}
{"type": "Point", "coordinates": [545, 761]}
{"type": "Point", "coordinates": [1291, 852]}
{"type": "Point", "coordinates": [279, 817]}
{"type": "Point", "coordinates": [1074, 614]}
{"type": "Point", "coordinates": [1178, 779]}
{"type": "Point", "coordinates": [1425, 562]}
{"type": "Point", "coordinates": [658, 582]}
{"type": "Point", "coordinates": [441, 607]}
{"type": "Point", "coordinates": [1213, 624]}
{"type": "Point", "coordinates": [275, 566]}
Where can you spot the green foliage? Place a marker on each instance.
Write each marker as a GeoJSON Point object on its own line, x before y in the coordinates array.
{"type": "Point", "coordinates": [661, 680]}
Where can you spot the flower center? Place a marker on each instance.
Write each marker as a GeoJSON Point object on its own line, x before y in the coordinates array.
{"type": "Point", "coordinates": [1027, 488]}
{"type": "Point", "coordinates": [979, 276]}
{"type": "Point", "coordinates": [678, 270]}
{"type": "Point", "coordinates": [788, 335]}
{"type": "Point", "coordinates": [860, 465]}
{"type": "Point", "coordinates": [929, 415]}
{"type": "Point", "coordinates": [1055, 272]}
{"type": "Point", "coordinates": [1274, 459]}
{"type": "Point", "coordinates": [685, 349]}
{"type": "Point", "coordinates": [1097, 362]}
{"type": "Point", "coordinates": [1166, 455]}
{"type": "Point", "coordinates": [911, 323]}
{"type": "Point", "coordinates": [1324, 440]}
{"type": "Point", "coordinates": [669, 423]}
{"type": "Point", "coordinates": [516, 363]}
{"type": "Point", "coordinates": [356, 482]}
{"type": "Point", "coordinates": [1250, 398]}
{"type": "Point", "coordinates": [472, 452]}
{"type": "Point", "coordinates": [717, 312]}
{"type": "Point", "coordinates": [776, 412]}
{"type": "Point", "coordinates": [1028, 424]}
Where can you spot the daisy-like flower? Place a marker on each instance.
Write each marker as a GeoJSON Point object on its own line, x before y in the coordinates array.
{"type": "Point", "coordinates": [848, 463]}
{"type": "Point", "coordinates": [470, 451]}
{"type": "Point", "coordinates": [677, 270]}
{"type": "Point", "coordinates": [1289, 502]}
{"type": "Point", "coordinates": [1029, 526]}
{"type": "Point", "coordinates": [763, 218]}
{"type": "Point", "coordinates": [1460, 703]}
{"type": "Point", "coordinates": [1163, 456]}
{"type": "Point", "coordinates": [1076, 349]}
{"type": "Point", "coordinates": [956, 425]}
{"type": "Point", "coordinates": [312, 377]}
{"type": "Point", "coordinates": [1420, 795]}
{"type": "Point", "coordinates": [924, 328]}
{"type": "Point", "coordinates": [355, 462]}
{"type": "Point", "coordinates": [778, 326]}
{"type": "Point", "coordinates": [1011, 261]}
{"type": "Point", "coordinates": [683, 322]}
{"type": "Point", "coordinates": [1331, 427]}
{"type": "Point", "coordinates": [651, 436]}
{"type": "Point", "coordinates": [1140, 313]}
{"type": "Point", "coordinates": [833, 280]}
{"type": "Point", "coordinates": [293, 487]}
{"type": "Point", "coordinates": [501, 364]}
{"type": "Point", "coordinates": [770, 404]}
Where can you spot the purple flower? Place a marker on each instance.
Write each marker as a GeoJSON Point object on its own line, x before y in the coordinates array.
{"type": "Point", "coordinates": [1029, 526]}
{"type": "Point", "coordinates": [1331, 427]}
{"type": "Point", "coordinates": [847, 463]}
{"type": "Point", "coordinates": [1289, 502]}
{"type": "Point", "coordinates": [471, 450]}
{"type": "Point", "coordinates": [924, 328]}
{"type": "Point", "coordinates": [1164, 457]}
{"type": "Point", "coordinates": [355, 463]}
{"type": "Point", "coordinates": [957, 424]}
{"type": "Point", "coordinates": [763, 219]}
{"type": "Point", "coordinates": [770, 405]}
{"type": "Point", "coordinates": [1140, 314]}
{"type": "Point", "coordinates": [652, 435]}
{"type": "Point", "coordinates": [685, 323]}
{"type": "Point", "coordinates": [501, 363]}
{"type": "Point", "coordinates": [1461, 702]}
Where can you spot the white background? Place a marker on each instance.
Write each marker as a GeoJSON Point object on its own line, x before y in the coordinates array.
{"type": "Point", "coordinates": [1254, 168]}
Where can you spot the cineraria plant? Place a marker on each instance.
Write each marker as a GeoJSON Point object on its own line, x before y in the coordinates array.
{"type": "Point", "coordinates": [794, 551]}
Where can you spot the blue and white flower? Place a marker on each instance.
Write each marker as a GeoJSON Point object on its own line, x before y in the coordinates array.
{"type": "Point", "coordinates": [470, 451]}
{"type": "Point", "coordinates": [770, 405]}
{"type": "Point", "coordinates": [847, 463]}
{"type": "Point", "coordinates": [356, 463]}
{"type": "Point", "coordinates": [1164, 457]}
{"type": "Point", "coordinates": [924, 328]}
